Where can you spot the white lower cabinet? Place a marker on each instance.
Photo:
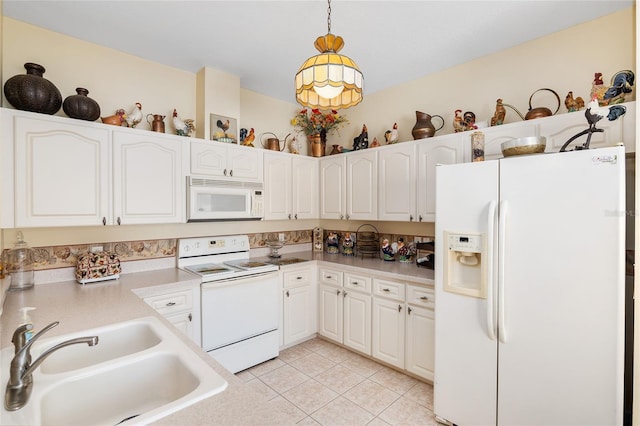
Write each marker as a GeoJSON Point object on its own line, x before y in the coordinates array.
{"type": "Point", "coordinates": [180, 308]}
{"type": "Point", "coordinates": [299, 305]}
{"type": "Point", "coordinates": [420, 335]}
{"type": "Point", "coordinates": [388, 331]}
{"type": "Point", "coordinates": [345, 309]}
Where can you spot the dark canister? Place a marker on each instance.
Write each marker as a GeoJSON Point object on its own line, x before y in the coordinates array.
{"type": "Point", "coordinates": [32, 92]}
{"type": "Point", "coordinates": [81, 106]}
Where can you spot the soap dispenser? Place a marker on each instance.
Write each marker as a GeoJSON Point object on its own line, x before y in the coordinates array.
{"type": "Point", "coordinates": [19, 264]}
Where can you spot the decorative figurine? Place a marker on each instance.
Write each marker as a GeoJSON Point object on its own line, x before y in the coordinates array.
{"type": "Point", "coordinates": [573, 104]}
{"type": "Point", "coordinates": [375, 143]}
{"type": "Point", "coordinates": [347, 244]}
{"type": "Point", "coordinates": [362, 141]}
{"type": "Point", "coordinates": [405, 251]}
{"type": "Point", "coordinates": [458, 124]}
{"type": "Point", "coordinates": [498, 116]}
{"type": "Point", "coordinates": [135, 116]}
{"type": "Point", "coordinates": [388, 252]}
{"type": "Point", "coordinates": [391, 136]}
{"type": "Point", "coordinates": [248, 139]}
{"type": "Point", "coordinates": [294, 145]}
{"type": "Point", "coordinates": [243, 134]}
{"type": "Point", "coordinates": [469, 120]}
{"type": "Point", "coordinates": [621, 83]}
{"type": "Point", "coordinates": [332, 243]}
{"type": "Point", "coordinates": [115, 120]}
{"type": "Point", "coordinates": [184, 127]}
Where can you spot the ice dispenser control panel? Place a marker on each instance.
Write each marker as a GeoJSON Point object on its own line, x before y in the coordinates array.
{"type": "Point", "coordinates": [465, 269]}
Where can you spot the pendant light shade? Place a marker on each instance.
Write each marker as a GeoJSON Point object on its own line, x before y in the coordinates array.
{"type": "Point", "coordinates": [329, 80]}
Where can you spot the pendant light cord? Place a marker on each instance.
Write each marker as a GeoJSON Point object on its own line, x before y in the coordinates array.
{"type": "Point", "coordinates": [329, 17]}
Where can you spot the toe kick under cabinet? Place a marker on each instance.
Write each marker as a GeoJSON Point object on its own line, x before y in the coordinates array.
{"type": "Point", "coordinates": [76, 173]}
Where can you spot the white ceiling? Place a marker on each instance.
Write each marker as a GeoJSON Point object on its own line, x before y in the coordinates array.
{"type": "Point", "coordinates": [265, 42]}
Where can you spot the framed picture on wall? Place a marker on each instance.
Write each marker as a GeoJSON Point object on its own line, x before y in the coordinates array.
{"type": "Point", "coordinates": [224, 129]}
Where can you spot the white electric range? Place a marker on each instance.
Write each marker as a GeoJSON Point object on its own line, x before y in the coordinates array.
{"type": "Point", "coordinates": [239, 300]}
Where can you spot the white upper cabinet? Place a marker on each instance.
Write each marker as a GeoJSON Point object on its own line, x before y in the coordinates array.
{"type": "Point", "coordinates": [362, 185]}
{"type": "Point", "coordinates": [291, 187]}
{"type": "Point", "coordinates": [397, 183]}
{"type": "Point", "coordinates": [333, 187]}
{"type": "Point", "coordinates": [62, 172]}
{"type": "Point", "coordinates": [445, 150]}
{"type": "Point", "coordinates": [148, 182]}
{"type": "Point", "coordinates": [226, 161]}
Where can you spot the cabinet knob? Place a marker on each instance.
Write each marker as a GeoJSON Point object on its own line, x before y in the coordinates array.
{"type": "Point", "coordinates": [118, 220]}
{"type": "Point", "coordinates": [287, 293]}
{"type": "Point", "coordinates": [420, 218]}
{"type": "Point", "coordinates": [399, 308]}
{"type": "Point", "coordinates": [410, 218]}
{"type": "Point", "coordinates": [104, 221]}
{"type": "Point", "coordinates": [289, 216]}
{"type": "Point", "coordinates": [230, 172]}
{"type": "Point", "coordinates": [296, 216]}
{"type": "Point", "coordinates": [341, 217]}
{"type": "Point", "coordinates": [409, 310]}
{"type": "Point", "coordinates": [347, 217]}
{"type": "Point", "coordinates": [190, 317]}
{"type": "Point", "coordinates": [338, 293]}
{"type": "Point", "coordinates": [225, 172]}
{"type": "Point", "coordinates": [344, 294]}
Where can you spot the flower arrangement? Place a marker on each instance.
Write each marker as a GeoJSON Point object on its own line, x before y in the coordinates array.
{"type": "Point", "coordinates": [317, 122]}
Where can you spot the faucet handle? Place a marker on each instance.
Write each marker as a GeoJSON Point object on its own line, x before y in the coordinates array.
{"type": "Point", "coordinates": [19, 338]}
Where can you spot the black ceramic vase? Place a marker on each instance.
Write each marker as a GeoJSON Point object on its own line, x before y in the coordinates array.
{"type": "Point", "coordinates": [32, 92]}
{"type": "Point", "coordinates": [81, 106]}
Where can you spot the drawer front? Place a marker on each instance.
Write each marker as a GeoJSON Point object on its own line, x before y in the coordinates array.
{"type": "Point", "coordinates": [296, 278]}
{"type": "Point", "coordinates": [389, 289]}
{"type": "Point", "coordinates": [421, 296]}
{"type": "Point", "coordinates": [357, 282]}
{"type": "Point", "coordinates": [172, 302]}
{"type": "Point", "coordinates": [331, 276]}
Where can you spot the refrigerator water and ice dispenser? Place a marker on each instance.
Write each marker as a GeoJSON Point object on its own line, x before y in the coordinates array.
{"type": "Point", "coordinates": [465, 264]}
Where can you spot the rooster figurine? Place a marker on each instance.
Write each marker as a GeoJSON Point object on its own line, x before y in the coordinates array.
{"type": "Point", "coordinates": [135, 116]}
{"type": "Point", "coordinates": [594, 113]}
{"type": "Point", "coordinates": [248, 140]}
{"type": "Point", "coordinates": [115, 120]}
{"type": "Point", "coordinates": [621, 84]}
{"type": "Point", "coordinates": [573, 104]}
{"type": "Point", "coordinates": [184, 127]}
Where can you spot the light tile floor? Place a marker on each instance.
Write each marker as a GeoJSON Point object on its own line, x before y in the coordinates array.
{"type": "Point", "coordinates": [319, 383]}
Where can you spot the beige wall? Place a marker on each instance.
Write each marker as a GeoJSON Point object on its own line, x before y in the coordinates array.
{"type": "Point", "coordinates": [562, 61]}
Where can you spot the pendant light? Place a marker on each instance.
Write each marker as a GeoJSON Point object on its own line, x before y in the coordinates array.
{"type": "Point", "coordinates": [329, 80]}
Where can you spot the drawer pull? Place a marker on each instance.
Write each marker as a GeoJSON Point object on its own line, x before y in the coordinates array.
{"type": "Point", "coordinates": [424, 298]}
{"type": "Point", "coordinates": [354, 283]}
{"type": "Point", "coordinates": [386, 290]}
{"type": "Point", "coordinates": [298, 278]}
{"type": "Point", "coordinates": [170, 304]}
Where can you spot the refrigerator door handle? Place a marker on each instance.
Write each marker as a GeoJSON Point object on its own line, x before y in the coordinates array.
{"type": "Point", "coordinates": [491, 313]}
{"type": "Point", "coordinates": [502, 226]}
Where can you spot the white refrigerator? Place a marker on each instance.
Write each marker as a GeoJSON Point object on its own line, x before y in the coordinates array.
{"type": "Point", "coordinates": [529, 284]}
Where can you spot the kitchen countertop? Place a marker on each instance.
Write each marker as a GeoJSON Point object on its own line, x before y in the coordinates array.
{"type": "Point", "coordinates": [99, 304]}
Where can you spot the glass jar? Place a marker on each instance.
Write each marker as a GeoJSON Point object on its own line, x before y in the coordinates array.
{"type": "Point", "coordinates": [19, 264]}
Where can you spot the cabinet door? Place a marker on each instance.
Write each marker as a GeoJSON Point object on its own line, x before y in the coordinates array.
{"type": "Point", "coordinates": [445, 151]}
{"type": "Point", "coordinates": [362, 186]}
{"type": "Point", "coordinates": [245, 163]}
{"type": "Point", "coordinates": [148, 183]}
{"type": "Point", "coordinates": [357, 321]}
{"type": "Point", "coordinates": [420, 343]}
{"type": "Point", "coordinates": [397, 184]}
{"type": "Point", "coordinates": [388, 331]}
{"type": "Point", "coordinates": [61, 173]}
{"type": "Point", "coordinates": [331, 313]}
{"type": "Point", "coordinates": [332, 188]}
{"type": "Point", "coordinates": [209, 159]}
{"type": "Point", "coordinates": [277, 187]}
{"type": "Point", "coordinates": [305, 188]}
{"type": "Point", "coordinates": [183, 322]}
{"type": "Point", "coordinates": [297, 304]}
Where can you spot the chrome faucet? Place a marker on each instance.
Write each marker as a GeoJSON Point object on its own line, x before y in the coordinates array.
{"type": "Point", "coordinates": [21, 370]}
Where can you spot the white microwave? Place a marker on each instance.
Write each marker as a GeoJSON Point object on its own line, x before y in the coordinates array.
{"type": "Point", "coordinates": [210, 199]}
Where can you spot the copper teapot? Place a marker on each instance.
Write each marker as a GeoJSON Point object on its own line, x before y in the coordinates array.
{"type": "Point", "coordinates": [157, 125]}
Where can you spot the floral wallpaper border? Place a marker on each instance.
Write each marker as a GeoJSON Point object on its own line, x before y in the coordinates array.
{"type": "Point", "coordinates": [65, 256]}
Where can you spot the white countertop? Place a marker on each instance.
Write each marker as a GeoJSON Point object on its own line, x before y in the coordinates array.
{"type": "Point", "coordinates": [80, 307]}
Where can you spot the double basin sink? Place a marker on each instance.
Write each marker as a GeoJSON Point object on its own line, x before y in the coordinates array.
{"type": "Point", "coordinates": [139, 372]}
